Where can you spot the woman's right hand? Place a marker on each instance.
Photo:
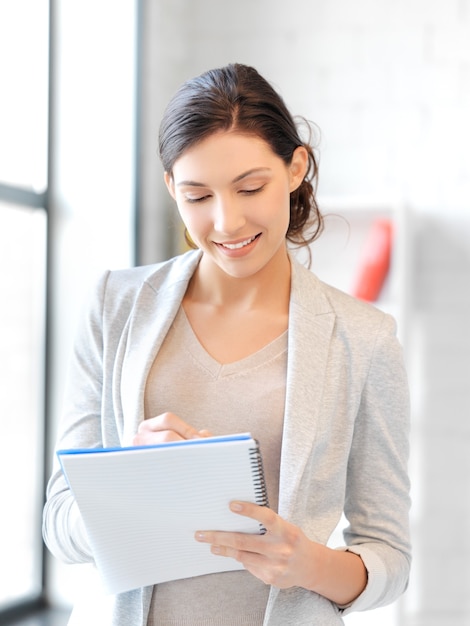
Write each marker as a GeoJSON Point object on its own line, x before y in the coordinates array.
{"type": "Point", "coordinates": [166, 427]}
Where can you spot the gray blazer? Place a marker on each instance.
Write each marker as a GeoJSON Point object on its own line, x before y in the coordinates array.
{"type": "Point", "coordinates": [346, 423]}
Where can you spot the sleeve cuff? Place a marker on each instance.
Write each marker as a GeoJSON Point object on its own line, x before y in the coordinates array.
{"type": "Point", "coordinates": [80, 535]}
{"type": "Point", "coordinates": [376, 580]}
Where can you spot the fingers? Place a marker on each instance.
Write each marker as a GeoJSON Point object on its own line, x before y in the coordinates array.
{"type": "Point", "coordinates": [166, 427]}
{"type": "Point", "coordinates": [246, 542]}
{"type": "Point", "coordinates": [262, 514]}
{"type": "Point", "coordinates": [234, 545]}
{"type": "Point", "coordinates": [274, 557]}
{"type": "Point", "coordinates": [266, 517]}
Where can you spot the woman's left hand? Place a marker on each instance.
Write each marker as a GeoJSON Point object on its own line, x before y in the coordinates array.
{"type": "Point", "coordinates": [283, 557]}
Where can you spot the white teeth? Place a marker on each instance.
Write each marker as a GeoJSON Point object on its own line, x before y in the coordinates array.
{"type": "Point", "coordinates": [236, 246]}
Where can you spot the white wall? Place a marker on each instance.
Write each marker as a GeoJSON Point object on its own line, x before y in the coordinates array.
{"type": "Point", "coordinates": [388, 83]}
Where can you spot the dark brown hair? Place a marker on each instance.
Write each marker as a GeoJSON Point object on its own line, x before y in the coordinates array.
{"type": "Point", "coordinates": [237, 97]}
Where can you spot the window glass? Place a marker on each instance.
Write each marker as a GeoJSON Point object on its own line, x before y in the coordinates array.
{"type": "Point", "coordinates": [23, 277]}
{"type": "Point", "coordinates": [24, 52]}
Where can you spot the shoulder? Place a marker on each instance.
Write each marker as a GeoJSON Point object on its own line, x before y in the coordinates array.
{"type": "Point", "coordinates": [355, 319]}
{"type": "Point", "coordinates": [357, 314]}
{"type": "Point", "coordinates": [116, 291]}
{"type": "Point", "coordinates": [157, 274]}
{"type": "Point", "coordinates": [125, 284]}
{"type": "Point", "coordinates": [312, 292]}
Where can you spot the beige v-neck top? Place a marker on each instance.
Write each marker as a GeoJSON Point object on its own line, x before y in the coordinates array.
{"type": "Point", "coordinates": [244, 396]}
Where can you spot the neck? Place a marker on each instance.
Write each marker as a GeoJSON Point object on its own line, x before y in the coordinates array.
{"type": "Point", "coordinates": [268, 288]}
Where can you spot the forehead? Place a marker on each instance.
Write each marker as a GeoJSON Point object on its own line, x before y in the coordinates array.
{"type": "Point", "coordinates": [224, 155]}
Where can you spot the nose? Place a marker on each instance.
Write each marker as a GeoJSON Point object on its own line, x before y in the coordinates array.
{"type": "Point", "coordinates": [229, 217]}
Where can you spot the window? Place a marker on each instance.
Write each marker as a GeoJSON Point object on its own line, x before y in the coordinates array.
{"type": "Point", "coordinates": [24, 50]}
{"type": "Point", "coordinates": [23, 249]}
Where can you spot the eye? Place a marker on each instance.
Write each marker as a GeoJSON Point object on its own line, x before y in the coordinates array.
{"type": "Point", "coordinates": [195, 199]}
{"type": "Point", "coordinates": [251, 192]}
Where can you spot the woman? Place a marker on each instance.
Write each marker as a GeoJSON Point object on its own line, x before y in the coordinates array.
{"type": "Point", "coordinates": [236, 336]}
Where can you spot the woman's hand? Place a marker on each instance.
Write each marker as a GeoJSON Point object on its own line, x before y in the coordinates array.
{"type": "Point", "coordinates": [282, 557]}
{"type": "Point", "coordinates": [165, 427]}
{"type": "Point", "coordinates": [285, 557]}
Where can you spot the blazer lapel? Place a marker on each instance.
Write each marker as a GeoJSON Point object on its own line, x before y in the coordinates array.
{"type": "Point", "coordinates": [311, 322]}
{"type": "Point", "coordinates": [154, 311]}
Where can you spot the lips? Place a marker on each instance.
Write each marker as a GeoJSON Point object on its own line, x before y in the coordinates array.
{"type": "Point", "coordinates": [239, 244]}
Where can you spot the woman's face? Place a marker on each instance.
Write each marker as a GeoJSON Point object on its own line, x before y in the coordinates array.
{"type": "Point", "coordinates": [232, 193]}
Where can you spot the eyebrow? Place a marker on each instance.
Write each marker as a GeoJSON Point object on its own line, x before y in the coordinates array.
{"type": "Point", "coordinates": [255, 170]}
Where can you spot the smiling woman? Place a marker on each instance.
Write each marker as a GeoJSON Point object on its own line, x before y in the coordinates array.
{"type": "Point", "coordinates": [237, 336]}
{"type": "Point", "coordinates": [238, 217]}
{"type": "Point", "coordinates": [242, 199]}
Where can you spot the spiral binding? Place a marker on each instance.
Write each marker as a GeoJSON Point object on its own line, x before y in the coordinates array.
{"type": "Point", "coordinates": [261, 492]}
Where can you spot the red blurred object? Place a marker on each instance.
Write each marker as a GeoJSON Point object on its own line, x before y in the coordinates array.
{"type": "Point", "coordinates": [374, 263]}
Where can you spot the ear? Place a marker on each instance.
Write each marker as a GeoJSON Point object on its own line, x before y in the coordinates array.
{"type": "Point", "coordinates": [298, 167]}
{"type": "Point", "coordinates": [170, 184]}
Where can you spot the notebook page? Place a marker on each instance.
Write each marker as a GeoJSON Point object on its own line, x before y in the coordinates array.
{"type": "Point", "coordinates": [142, 506]}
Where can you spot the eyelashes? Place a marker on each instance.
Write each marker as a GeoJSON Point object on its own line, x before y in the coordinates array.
{"type": "Point", "coordinates": [243, 192]}
{"type": "Point", "coordinates": [251, 192]}
{"type": "Point", "coordinates": [196, 200]}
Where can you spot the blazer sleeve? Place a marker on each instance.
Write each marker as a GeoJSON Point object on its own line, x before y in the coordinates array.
{"type": "Point", "coordinates": [80, 427]}
{"type": "Point", "coordinates": [377, 495]}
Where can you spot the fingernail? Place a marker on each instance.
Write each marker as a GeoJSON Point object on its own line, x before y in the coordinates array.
{"type": "Point", "coordinates": [200, 536]}
{"type": "Point", "coordinates": [236, 506]}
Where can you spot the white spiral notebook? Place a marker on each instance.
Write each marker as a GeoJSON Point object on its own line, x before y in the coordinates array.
{"type": "Point", "coordinates": [141, 506]}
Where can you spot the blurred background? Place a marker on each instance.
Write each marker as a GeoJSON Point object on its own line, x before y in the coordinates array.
{"type": "Point", "coordinates": [83, 86]}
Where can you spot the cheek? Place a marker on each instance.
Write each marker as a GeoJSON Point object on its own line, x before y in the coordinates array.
{"type": "Point", "coordinates": [193, 220]}
{"type": "Point", "coordinates": [280, 206]}
{"type": "Point", "coordinates": [284, 217]}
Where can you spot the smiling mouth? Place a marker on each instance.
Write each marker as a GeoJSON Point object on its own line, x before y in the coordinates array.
{"type": "Point", "coordinates": [240, 244]}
